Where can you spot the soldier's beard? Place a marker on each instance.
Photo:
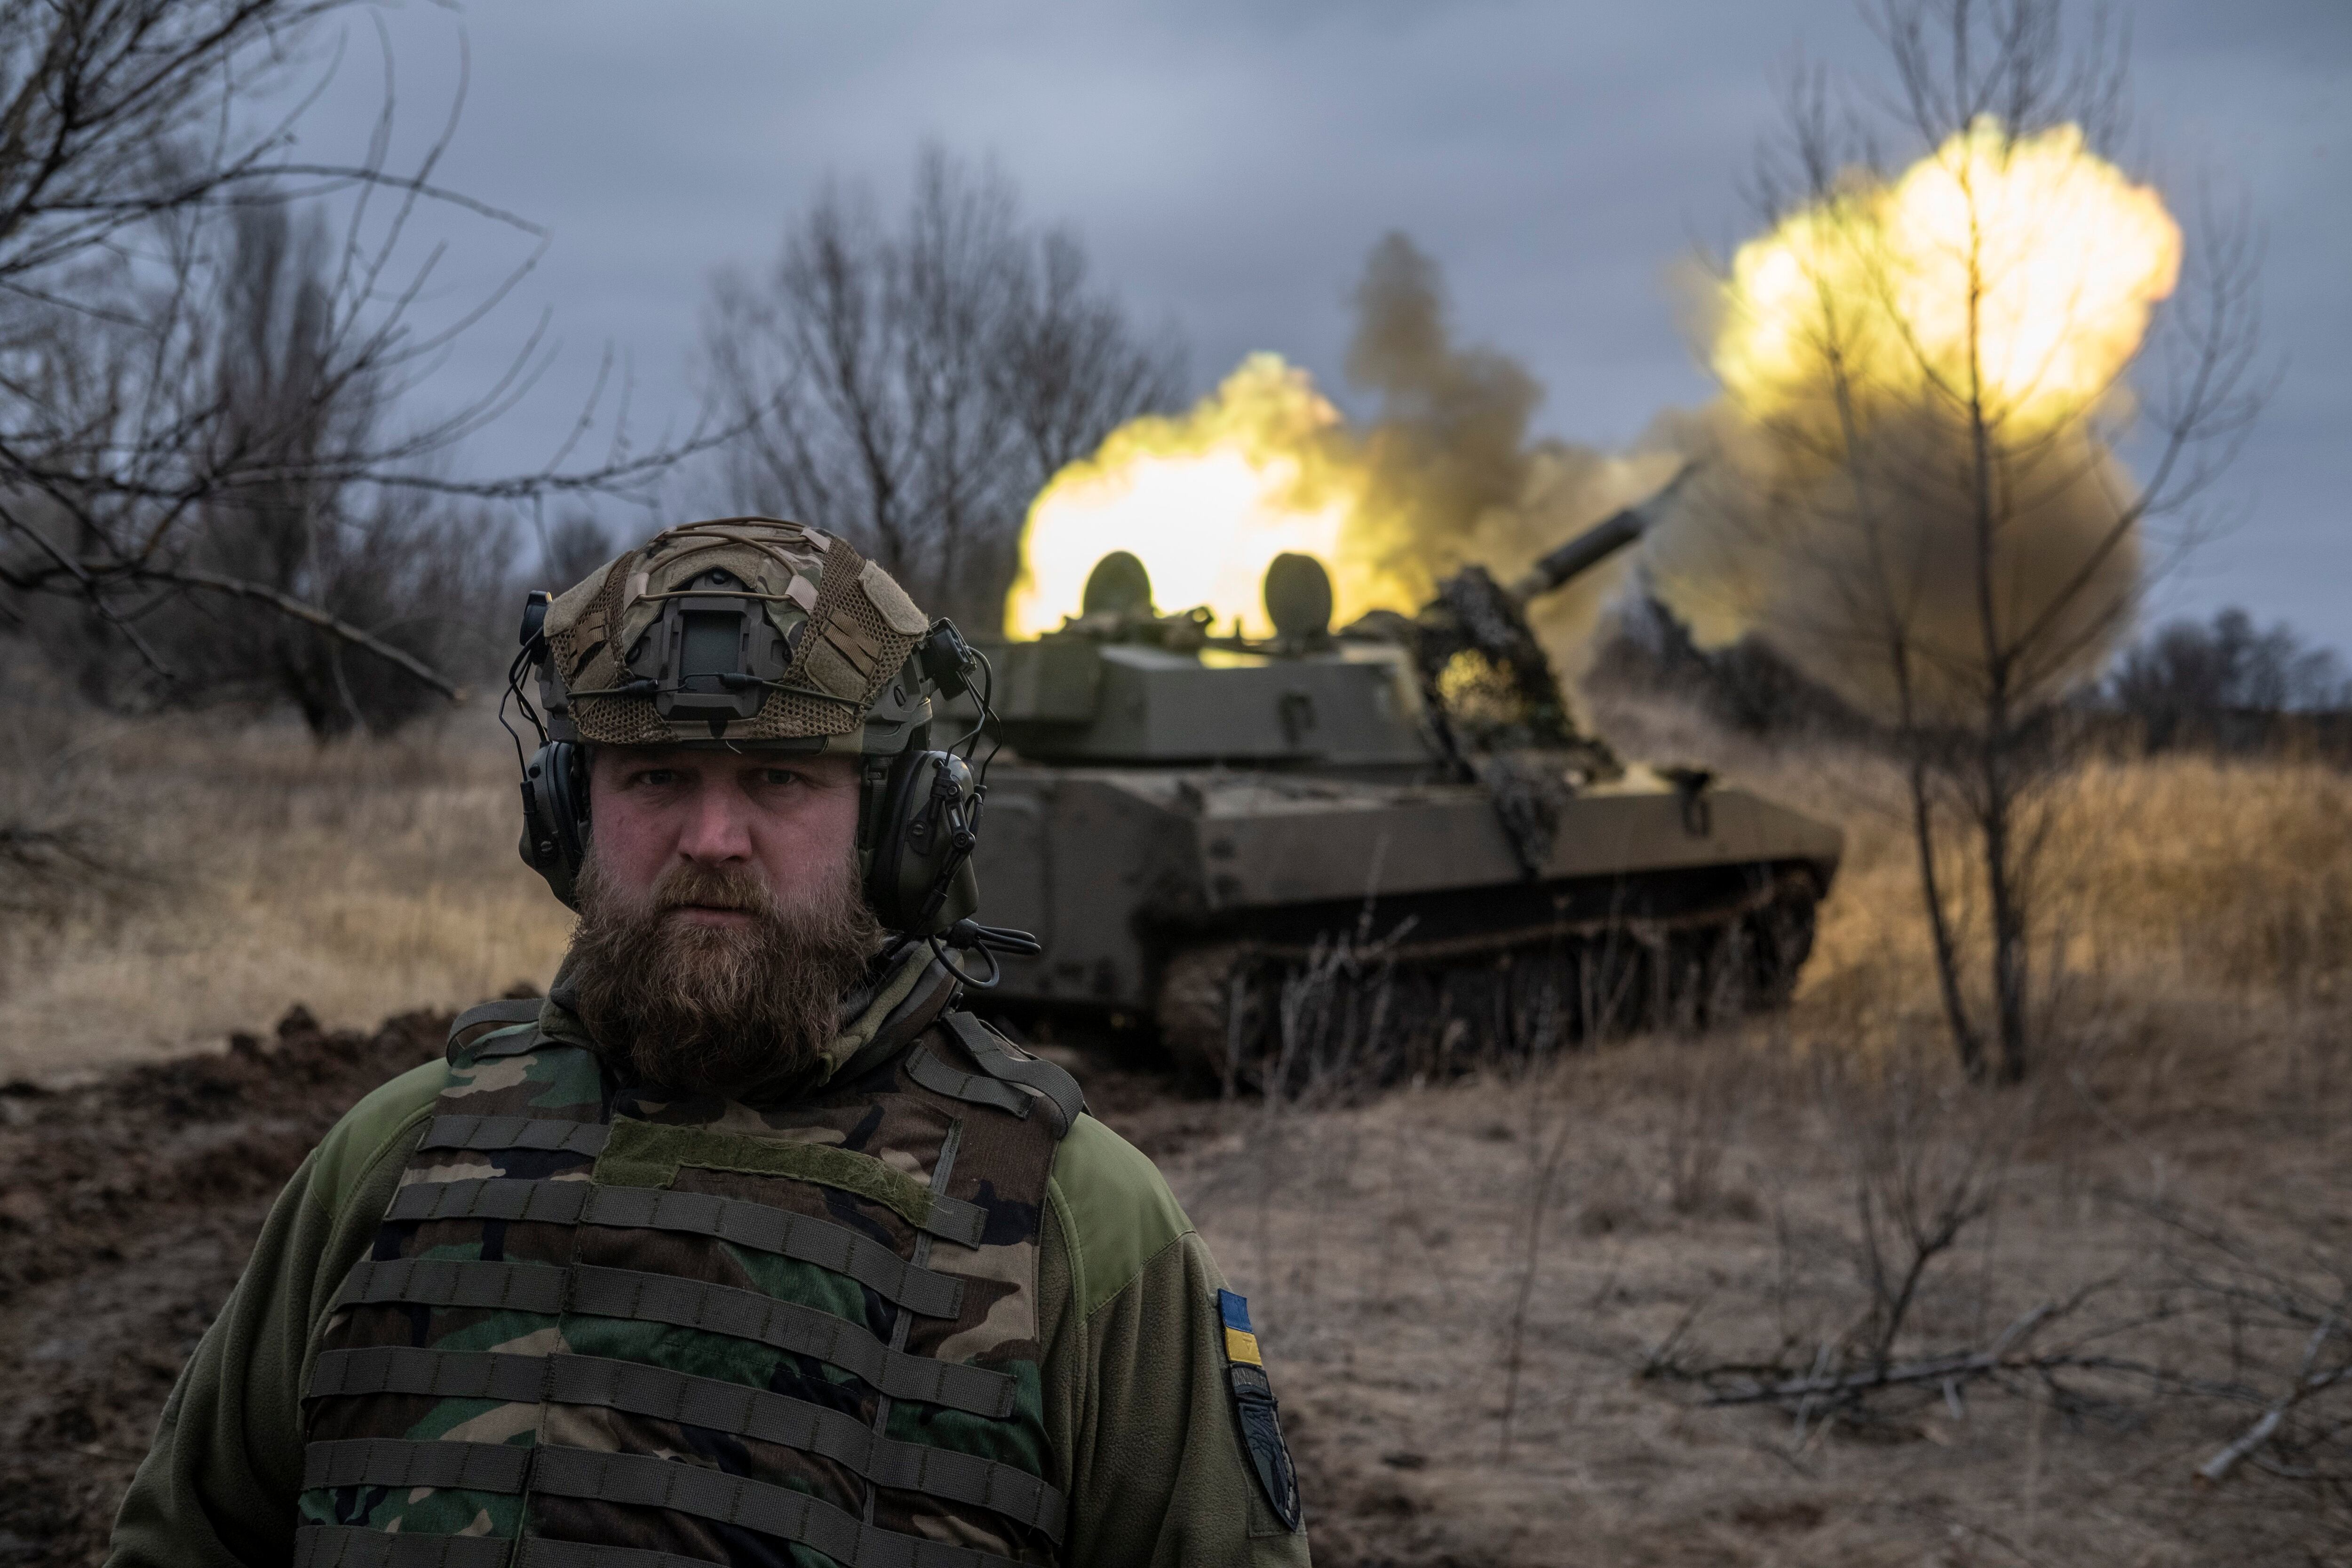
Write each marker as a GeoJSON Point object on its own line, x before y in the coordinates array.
{"type": "Point", "coordinates": [723, 1010]}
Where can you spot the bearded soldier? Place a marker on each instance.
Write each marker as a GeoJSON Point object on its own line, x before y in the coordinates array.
{"type": "Point", "coordinates": [748, 1245]}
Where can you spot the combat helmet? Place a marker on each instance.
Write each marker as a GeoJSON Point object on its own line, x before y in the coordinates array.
{"type": "Point", "coordinates": [754, 632]}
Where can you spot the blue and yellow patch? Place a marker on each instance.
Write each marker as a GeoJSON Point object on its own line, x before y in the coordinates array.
{"type": "Point", "coordinates": [1257, 1415]}
{"type": "Point", "coordinates": [1241, 1345]}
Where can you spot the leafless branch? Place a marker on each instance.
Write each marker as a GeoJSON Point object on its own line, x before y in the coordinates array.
{"type": "Point", "coordinates": [187, 361]}
{"type": "Point", "coordinates": [914, 385]}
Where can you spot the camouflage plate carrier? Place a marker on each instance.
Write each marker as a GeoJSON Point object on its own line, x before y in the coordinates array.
{"type": "Point", "coordinates": [601, 1330]}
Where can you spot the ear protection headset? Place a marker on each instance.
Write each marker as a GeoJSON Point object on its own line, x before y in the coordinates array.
{"type": "Point", "coordinates": [919, 808]}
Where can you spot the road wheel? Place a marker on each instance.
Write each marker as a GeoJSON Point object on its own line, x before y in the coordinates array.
{"type": "Point", "coordinates": [1212, 1012]}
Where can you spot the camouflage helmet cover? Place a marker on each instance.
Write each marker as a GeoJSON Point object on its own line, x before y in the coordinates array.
{"type": "Point", "coordinates": [842, 628]}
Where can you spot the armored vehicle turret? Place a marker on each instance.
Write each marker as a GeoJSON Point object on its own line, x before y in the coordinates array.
{"type": "Point", "coordinates": [1394, 826]}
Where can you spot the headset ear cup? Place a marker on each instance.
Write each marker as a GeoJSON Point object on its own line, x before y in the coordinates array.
{"type": "Point", "coordinates": [915, 849]}
{"type": "Point", "coordinates": [572, 800]}
{"type": "Point", "coordinates": [883, 880]}
{"type": "Point", "coordinates": [555, 817]}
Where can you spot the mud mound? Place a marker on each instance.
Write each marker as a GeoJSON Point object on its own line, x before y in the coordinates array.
{"type": "Point", "coordinates": [126, 1208]}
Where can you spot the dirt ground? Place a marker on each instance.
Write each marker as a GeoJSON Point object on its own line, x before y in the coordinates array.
{"type": "Point", "coordinates": [127, 1207]}
{"type": "Point", "coordinates": [1697, 1208]}
{"type": "Point", "coordinates": [1701, 1211]}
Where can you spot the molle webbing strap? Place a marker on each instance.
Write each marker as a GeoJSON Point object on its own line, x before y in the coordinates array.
{"type": "Point", "coordinates": [342, 1546]}
{"type": "Point", "coordinates": [787, 1325]}
{"type": "Point", "coordinates": [711, 1404]}
{"type": "Point", "coordinates": [642, 1154]}
{"type": "Point", "coordinates": [454, 1282]}
{"type": "Point", "coordinates": [395, 1462]}
{"type": "Point", "coordinates": [648, 1154]}
{"type": "Point", "coordinates": [537, 1551]}
{"type": "Point", "coordinates": [955, 1083]}
{"type": "Point", "coordinates": [719, 1407]}
{"type": "Point", "coordinates": [516, 1132]}
{"type": "Point", "coordinates": [439, 1374]}
{"type": "Point", "coordinates": [632, 1480]}
{"type": "Point", "coordinates": [685, 1303]}
{"type": "Point", "coordinates": [509, 1012]}
{"type": "Point", "coordinates": [746, 1223]}
{"type": "Point", "coordinates": [998, 1060]}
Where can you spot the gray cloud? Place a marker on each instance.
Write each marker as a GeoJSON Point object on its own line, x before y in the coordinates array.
{"type": "Point", "coordinates": [1230, 164]}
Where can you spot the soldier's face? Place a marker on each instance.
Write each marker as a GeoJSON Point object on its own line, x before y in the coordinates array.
{"type": "Point", "coordinates": [720, 921]}
{"type": "Point", "coordinates": [788, 823]}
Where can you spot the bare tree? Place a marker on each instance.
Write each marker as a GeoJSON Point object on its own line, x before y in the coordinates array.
{"type": "Point", "coordinates": [575, 547]}
{"type": "Point", "coordinates": [914, 387]}
{"type": "Point", "coordinates": [1928, 370]}
{"type": "Point", "coordinates": [2186, 682]}
{"type": "Point", "coordinates": [110, 116]}
{"type": "Point", "coordinates": [131, 421]}
{"type": "Point", "coordinates": [417, 571]}
{"type": "Point", "coordinates": [1072, 367]}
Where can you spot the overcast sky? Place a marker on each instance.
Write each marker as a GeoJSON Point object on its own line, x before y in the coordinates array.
{"type": "Point", "coordinates": [1230, 164]}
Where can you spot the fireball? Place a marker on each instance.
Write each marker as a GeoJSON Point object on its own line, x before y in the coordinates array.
{"type": "Point", "coordinates": [2061, 254]}
{"type": "Point", "coordinates": [1262, 466]}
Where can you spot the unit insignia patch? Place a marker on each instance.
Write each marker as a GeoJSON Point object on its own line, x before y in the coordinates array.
{"type": "Point", "coordinates": [1254, 1403]}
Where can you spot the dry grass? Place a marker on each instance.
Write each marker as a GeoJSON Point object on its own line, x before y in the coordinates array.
{"type": "Point", "coordinates": [256, 870]}
{"type": "Point", "coordinates": [1385, 1270]}
{"type": "Point", "coordinates": [2196, 1054]}
{"type": "Point", "coordinates": [2210, 881]}
{"type": "Point", "coordinates": [1702, 1199]}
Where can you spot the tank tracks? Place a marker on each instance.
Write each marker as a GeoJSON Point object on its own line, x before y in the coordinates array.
{"type": "Point", "coordinates": [1369, 1009]}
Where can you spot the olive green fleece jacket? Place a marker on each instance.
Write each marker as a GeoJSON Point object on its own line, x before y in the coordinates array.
{"type": "Point", "coordinates": [1144, 1435]}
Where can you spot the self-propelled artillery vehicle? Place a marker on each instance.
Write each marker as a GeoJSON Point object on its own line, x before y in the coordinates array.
{"type": "Point", "coordinates": [1390, 839]}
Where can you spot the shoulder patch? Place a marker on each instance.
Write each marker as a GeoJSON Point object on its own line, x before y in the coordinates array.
{"type": "Point", "coordinates": [1257, 1413]}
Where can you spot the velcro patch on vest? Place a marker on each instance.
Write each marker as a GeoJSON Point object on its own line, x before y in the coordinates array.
{"type": "Point", "coordinates": [1257, 1413]}
{"type": "Point", "coordinates": [648, 1154]}
{"type": "Point", "coordinates": [756, 1226]}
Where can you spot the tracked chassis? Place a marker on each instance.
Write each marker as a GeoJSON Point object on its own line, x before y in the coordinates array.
{"type": "Point", "coordinates": [1192, 897]}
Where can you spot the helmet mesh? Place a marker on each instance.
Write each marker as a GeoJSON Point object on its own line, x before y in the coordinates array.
{"type": "Point", "coordinates": [841, 604]}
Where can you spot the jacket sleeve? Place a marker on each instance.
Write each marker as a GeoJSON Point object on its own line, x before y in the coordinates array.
{"type": "Point", "coordinates": [1138, 1406]}
{"type": "Point", "coordinates": [219, 1485]}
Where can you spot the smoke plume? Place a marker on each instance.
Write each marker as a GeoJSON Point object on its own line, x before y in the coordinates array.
{"type": "Point", "coordinates": [1907, 488]}
{"type": "Point", "coordinates": [1454, 478]}
{"type": "Point", "coordinates": [1909, 491]}
{"type": "Point", "coordinates": [1443, 475]}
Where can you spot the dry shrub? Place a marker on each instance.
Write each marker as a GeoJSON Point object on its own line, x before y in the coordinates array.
{"type": "Point", "coordinates": [1824, 1189]}
{"type": "Point", "coordinates": [2171, 882]}
{"type": "Point", "coordinates": [360, 878]}
{"type": "Point", "coordinates": [2229, 876]}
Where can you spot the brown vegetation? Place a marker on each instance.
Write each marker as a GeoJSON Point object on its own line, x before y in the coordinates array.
{"type": "Point", "coordinates": [1598, 1248]}
{"type": "Point", "coordinates": [237, 873]}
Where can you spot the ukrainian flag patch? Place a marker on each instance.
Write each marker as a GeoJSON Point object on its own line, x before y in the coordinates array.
{"type": "Point", "coordinates": [1258, 1416]}
{"type": "Point", "coordinates": [1241, 1345]}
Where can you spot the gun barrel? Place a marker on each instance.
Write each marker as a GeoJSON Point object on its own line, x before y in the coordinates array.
{"type": "Point", "coordinates": [1598, 543]}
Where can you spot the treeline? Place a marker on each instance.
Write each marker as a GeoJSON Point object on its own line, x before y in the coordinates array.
{"type": "Point", "coordinates": [229, 454]}
{"type": "Point", "coordinates": [2221, 686]}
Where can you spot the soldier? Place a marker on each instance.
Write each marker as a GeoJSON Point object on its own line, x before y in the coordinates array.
{"type": "Point", "coordinates": [748, 1245]}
